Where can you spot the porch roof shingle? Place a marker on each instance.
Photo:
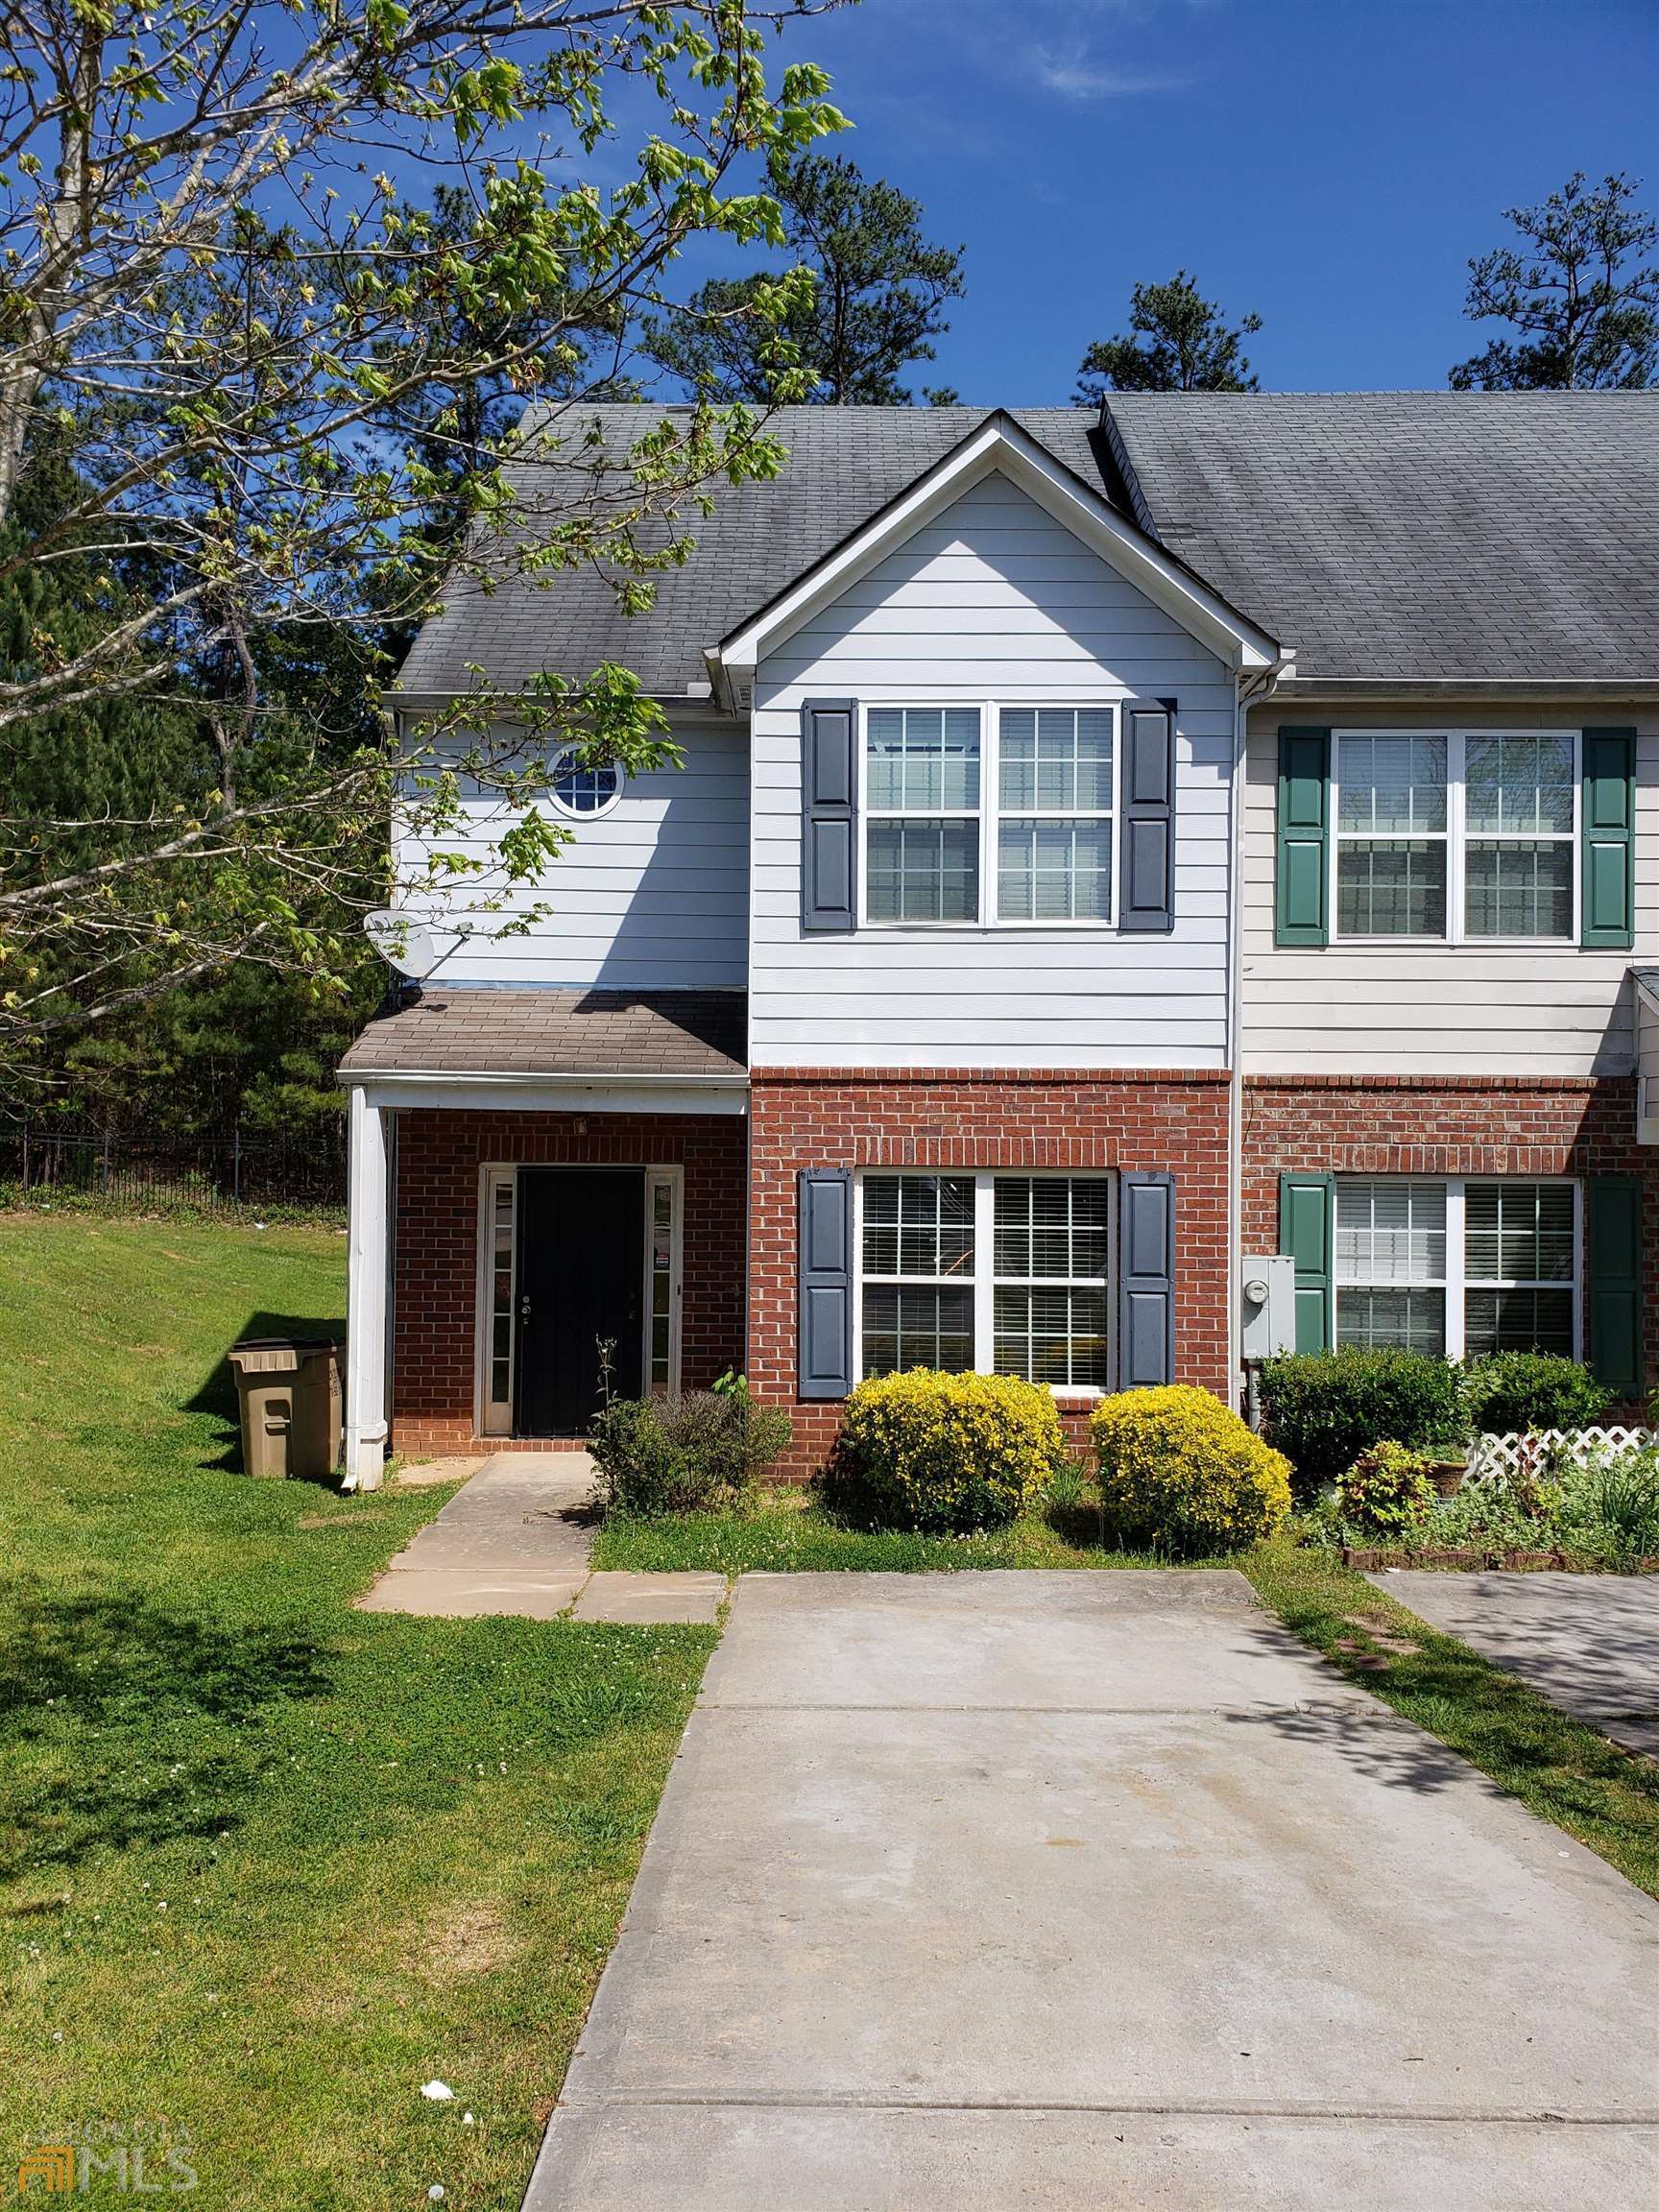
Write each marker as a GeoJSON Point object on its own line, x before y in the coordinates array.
{"type": "Point", "coordinates": [531, 1032]}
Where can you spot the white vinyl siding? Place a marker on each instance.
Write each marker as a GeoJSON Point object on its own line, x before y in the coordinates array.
{"type": "Point", "coordinates": [993, 604]}
{"type": "Point", "coordinates": [1416, 1006]}
{"type": "Point", "coordinates": [1464, 1266]}
{"type": "Point", "coordinates": [998, 1274]}
{"type": "Point", "coordinates": [651, 893]}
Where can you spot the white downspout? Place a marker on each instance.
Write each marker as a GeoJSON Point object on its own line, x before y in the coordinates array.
{"type": "Point", "coordinates": [1249, 691]}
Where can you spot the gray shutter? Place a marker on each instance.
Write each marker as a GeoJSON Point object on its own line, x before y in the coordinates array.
{"type": "Point", "coordinates": [829, 830]}
{"type": "Point", "coordinates": [825, 1357]}
{"type": "Point", "coordinates": [1146, 892]}
{"type": "Point", "coordinates": [1146, 1281]}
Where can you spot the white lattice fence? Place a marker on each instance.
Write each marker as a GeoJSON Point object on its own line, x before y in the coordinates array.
{"type": "Point", "coordinates": [1490, 1455]}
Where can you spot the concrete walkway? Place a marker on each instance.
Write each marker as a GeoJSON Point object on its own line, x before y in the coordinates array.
{"type": "Point", "coordinates": [1092, 1889]}
{"type": "Point", "coordinates": [1590, 1643]}
{"type": "Point", "coordinates": [515, 1539]}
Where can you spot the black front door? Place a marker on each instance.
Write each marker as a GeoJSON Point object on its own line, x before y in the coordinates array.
{"type": "Point", "coordinates": [581, 1268]}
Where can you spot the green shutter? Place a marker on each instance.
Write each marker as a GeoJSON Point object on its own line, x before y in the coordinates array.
{"type": "Point", "coordinates": [1614, 1206]}
{"type": "Point", "coordinates": [1304, 830]}
{"type": "Point", "coordinates": [1609, 836]}
{"type": "Point", "coordinates": [1307, 1233]}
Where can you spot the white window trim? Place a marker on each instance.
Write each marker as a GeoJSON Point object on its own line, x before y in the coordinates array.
{"type": "Point", "coordinates": [985, 1280]}
{"type": "Point", "coordinates": [492, 1417]}
{"type": "Point", "coordinates": [578, 813]}
{"type": "Point", "coordinates": [1455, 838]}
{"type": "Point", "coordinates": [988, 812]}
{"type": "Point", "coordinates": [1457, 1281]}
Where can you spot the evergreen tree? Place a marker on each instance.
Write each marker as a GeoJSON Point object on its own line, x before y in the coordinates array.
{"type": "Point", "coordinates": [1177, 340]}
{"type": "Point", "coordinates": [1581, 292]}
{"type": "Point", "coordinates": [869, 302]}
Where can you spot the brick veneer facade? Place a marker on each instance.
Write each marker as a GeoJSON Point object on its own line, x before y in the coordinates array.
{"type": "Point", "coordinates": [1444, 1126]}
{"type": "Point", "coordinates": [962, 1117]}
{"type": "Point", "coordinates": [435, 1278]}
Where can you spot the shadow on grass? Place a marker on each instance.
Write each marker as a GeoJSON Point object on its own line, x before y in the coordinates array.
{"type": "Point", "coordinates": [142, 1721]}
{"type": "Point", "coordinates": [216, 1396]}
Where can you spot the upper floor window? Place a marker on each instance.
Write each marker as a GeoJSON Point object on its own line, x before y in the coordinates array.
{"type": "Point", "coordinates": [1457, 838]}
{"type": "Point", "coordinates": [1022, 837]}
{"type": "Point", "coordinates": [584, 791]}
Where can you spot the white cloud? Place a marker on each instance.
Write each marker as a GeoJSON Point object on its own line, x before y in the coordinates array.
{"type": "Point", "coordinates": [1069, 71]}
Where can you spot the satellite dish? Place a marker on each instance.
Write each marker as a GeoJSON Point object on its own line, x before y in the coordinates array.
{"type": "Point", "coordinates": [404, 942]}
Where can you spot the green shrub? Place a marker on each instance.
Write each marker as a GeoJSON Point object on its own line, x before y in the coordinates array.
{"type": "Point", "coordinates": [1517, 1390]}
{"type": "Point", "coordinates": [1388, 1491]}
{"type": "Point", "coordinates": [1613, 1505]}
{"type": "Point", "coordinates": [1323, 1408]}
{"type": "Point", "coordinates": [1179, 1472]}
{"type": "Point", "coordinates": [943, 1453]}
{"type": "Point", "coordinates": [701, 1453]}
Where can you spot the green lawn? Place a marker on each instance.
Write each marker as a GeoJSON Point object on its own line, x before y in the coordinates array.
{"type": "Point", "coordinates": [787, 1533]}
{"type": "Point", "coordinates": [267, 1865]}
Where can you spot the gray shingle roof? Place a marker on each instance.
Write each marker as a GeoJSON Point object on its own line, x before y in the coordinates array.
{"type": "Point", "coordinates": [1417, 535]}
{"type": "Point", "coordinates": [538, 1032]}
{"type": "Point", "coordinates": [1393, 534]}
{"type": "Point", "coordinates": [845, 462]}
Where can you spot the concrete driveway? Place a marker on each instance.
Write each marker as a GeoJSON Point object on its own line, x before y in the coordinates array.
{"type": "Point", "coordinates": [1092, 1889]}
{"type": "Point", "coordinates": [1590, 1643]}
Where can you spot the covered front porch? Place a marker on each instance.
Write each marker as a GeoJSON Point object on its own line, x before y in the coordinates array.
{"type": "Point", "coordinates": [547, 1202]}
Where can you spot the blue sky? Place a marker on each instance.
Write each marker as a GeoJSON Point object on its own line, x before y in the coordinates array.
{"type": "Point", "coordinates": [1330, 163]}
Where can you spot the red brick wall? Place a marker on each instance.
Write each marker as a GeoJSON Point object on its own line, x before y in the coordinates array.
{"type": "Point", "coordinates": [1445, 1126]}
{"type": "Point", "coordinates": [960, 1117]}
{"type": "Point", "coordinates": [439, 1158]}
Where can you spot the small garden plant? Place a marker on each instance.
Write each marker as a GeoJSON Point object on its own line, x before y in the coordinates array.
{"type": "Point", "coordinates": [1388, 1491]}
{"type": "Point", "coordinates": [1182, 1474]}
{"type": "Point", "coordinates": [944, 1455]}
{"type": "Point", "coordinates": [701, 1453]}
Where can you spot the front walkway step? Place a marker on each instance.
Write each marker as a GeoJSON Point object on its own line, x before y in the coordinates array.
{"type": "Point", "coordinates": [648, 1598]}
{"type": "Point", "coordinates": [515, 1539]}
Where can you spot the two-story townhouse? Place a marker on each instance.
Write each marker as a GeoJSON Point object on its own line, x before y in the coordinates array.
{"type": "Point", "coordinates": [1105, 846]}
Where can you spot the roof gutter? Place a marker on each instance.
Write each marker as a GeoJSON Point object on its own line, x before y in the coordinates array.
{"type": "Point", "coordinates": [1311, 688]}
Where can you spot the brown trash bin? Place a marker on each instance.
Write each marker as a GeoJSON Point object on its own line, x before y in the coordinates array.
{"type": "Point", "coordinates": [290, 1397]}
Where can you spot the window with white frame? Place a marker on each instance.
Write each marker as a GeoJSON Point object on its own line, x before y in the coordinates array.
{"type": "Point", "coordinates": [1461, 1267]}
{"type": "Point", "coordinates": [1457, 838]}
{"type": "Point", "coordinates": [1054, 770]}
{"type": "Point", "coordinates": [999, 815]}
{"type": "Point", "coordinates": [1002, 1274]}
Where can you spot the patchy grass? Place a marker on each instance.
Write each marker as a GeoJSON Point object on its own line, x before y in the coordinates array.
{"type": "Point", "coordinates": [267, 1864]}
{"type": "Point", "coordinates": [788, 1532]}
{"type": "Point", "coordinates": [1557, 1766]}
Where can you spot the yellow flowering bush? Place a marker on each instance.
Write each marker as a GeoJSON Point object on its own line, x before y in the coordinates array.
{"type": "Point", "coordinates": [943, 1453]}
{"type": "Point", "coordinates": [1181, 1472]}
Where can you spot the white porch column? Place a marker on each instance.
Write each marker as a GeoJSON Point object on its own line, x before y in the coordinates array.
{"type": "Point", "coordinates": [368, 1193]}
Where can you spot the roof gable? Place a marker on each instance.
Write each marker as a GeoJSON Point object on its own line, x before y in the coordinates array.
{"type": "Point", "coordinates": [1000, 445]}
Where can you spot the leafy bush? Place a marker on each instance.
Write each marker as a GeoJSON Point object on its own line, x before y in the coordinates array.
{"type": "Point", "coordinates": [943, 1453]}
{"type": "Point", "coordinates": [1323, 1408]}
{"type": "Point", "coordinates": [1517, 1390]}
{"type": "Point", "coordinates": [1613, 1504]}
{"type": "Point", "coordinates": [1388, 1491]}
{"type": "Point", "coordinates": [701, 1453]}
{"type": "Point", "coordinates": [1181, 1472]}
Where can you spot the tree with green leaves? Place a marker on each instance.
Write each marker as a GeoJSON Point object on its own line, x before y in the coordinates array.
{"type": "Point", "coordinates": [870, 300]}
{"type": "Point", "coordinates": [219, 310]}
{"type": "Point", "coordinates": [1177, 340]}
{"type": "Point", "coordinates": [1579, 291]}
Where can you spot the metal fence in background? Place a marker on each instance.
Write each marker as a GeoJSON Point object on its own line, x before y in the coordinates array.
{"type": "Point", "coordinates": [222, 1174]}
